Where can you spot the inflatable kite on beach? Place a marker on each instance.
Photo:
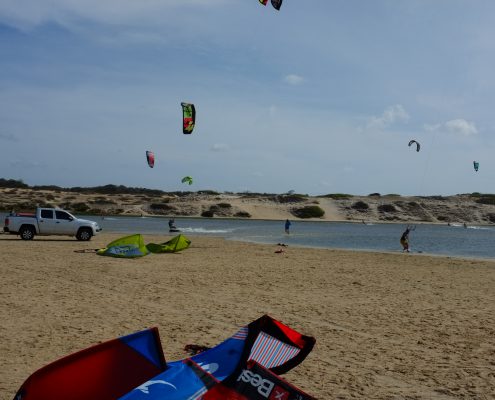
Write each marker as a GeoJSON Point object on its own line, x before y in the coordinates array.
{"type": "Point", "coordinates": [418, 146]}
{"type": "Point", "coordinates": [178, 243]}
{"type": "Point", "coordinates": [106, 371]}
{"type": "Point", "coordinates": [150, 157]}
{"type": "Point", "coordinates": [476, 165]}
{"type": "Point", "coordinates": [126, 247]}
{"type": "Point", "coordinates": [188, 118]}
{"type": "Point", "coordinates": [134, 368]}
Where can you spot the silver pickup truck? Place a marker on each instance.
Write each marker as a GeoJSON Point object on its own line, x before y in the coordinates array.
{"type": "Point", "coordinates": [50, 221]}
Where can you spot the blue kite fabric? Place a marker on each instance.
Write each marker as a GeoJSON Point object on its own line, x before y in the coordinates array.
{"type": "Point", "coordinates": [266, 342]}
{"type": "Point", "coordinates": [245, 366]}
{"type": "Point", "coordinates": [255, 382]}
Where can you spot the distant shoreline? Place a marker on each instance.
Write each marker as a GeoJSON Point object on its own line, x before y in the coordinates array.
{"type": "Point", "coordinates": [472, 209]}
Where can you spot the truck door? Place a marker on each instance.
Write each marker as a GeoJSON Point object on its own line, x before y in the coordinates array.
{"type": "Point", "coordinates": [64, 223]}
{"type": "Point", "coordinates": [46, 222]}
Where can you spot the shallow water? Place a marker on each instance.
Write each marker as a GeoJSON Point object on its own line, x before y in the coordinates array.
{"type": "Point", "coordinates": [473, 242]}
{"type": "Point", "coordinates": [432, 239]}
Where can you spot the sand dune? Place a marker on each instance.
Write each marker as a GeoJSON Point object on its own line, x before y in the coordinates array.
{"type": "Point", "coordinates": [471, 209]}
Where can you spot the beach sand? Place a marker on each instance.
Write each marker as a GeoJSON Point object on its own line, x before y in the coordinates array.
{"type": "Point", "coordinates": [387, 326]}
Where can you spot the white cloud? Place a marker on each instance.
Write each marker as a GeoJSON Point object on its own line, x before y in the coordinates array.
{"type": "Point", "coordinates": [391, 115]}
{"type": "Point", "coordinates": [219, 147]}
{"type": "Point", "coordinates": [293, 79]}
{"type": "Point", "coordinates": [462, 127]}
{"type": "Point", "coordinates": [455, 126]}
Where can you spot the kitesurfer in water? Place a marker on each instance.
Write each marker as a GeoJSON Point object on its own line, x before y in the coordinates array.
{"type": "Point", "coordinates": [404, 239]}
{"type": "Point", "coordinates": [171, 223]}
{"type": "Point", "coordinates": [287, 226]}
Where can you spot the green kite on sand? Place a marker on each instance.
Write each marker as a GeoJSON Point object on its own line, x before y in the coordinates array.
{"type": "Point", "coordinates": [178, 243]}
{"type": "Point", "coordinates": [133, 246]}
{"type": "Point", "coordinates": [126, 247]}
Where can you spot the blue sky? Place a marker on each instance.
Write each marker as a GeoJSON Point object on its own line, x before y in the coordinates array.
{"type": "Point", "coordinates": [320, 97]}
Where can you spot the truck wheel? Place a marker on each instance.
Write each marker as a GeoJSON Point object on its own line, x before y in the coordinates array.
{"type": "Point", "coordinates": [84, 234]}
{"type": "Point", "coordinates": [26, 232]}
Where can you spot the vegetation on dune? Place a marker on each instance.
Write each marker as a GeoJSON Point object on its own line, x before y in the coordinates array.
{"type": "Point", "coordinates": [486, 199]}
{"type": "Point", "coordinates": [13, 183]}
{"type": "Point", "coordinates": [389, 208]}
{"type": "Point", "coordinates": [473, 207]}
{"type": "Point", "coordinates": [360, 206]}
{"type": "Point", "coordinates": [308, 212]}
{"type": "Point", "coordinates": [242, 214]}
{"type": "Point", "coordinates": [337, 196]}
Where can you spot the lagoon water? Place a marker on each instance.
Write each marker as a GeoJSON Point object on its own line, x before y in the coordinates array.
{"type": "Point", "coordinates": [475, 241]}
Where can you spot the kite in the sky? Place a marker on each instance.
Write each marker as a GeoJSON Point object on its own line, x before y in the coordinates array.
{"type": "Point", "coordinates": [418, 146]}
{"type": "Point", "coordinates": [187, 179]}
{"type": "Point", "coordinates": [151, 158]}
{"type": "Point", "coordinates": [476, 165]}
{"type": "Point", "coordinates": [275, 3]}
{"type": "Point", "coordinates": [188, 117]}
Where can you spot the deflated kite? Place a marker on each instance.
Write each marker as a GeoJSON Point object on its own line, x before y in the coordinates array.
{"type": "Point", "coordinates": [188, 118]}
{"type": "Point", "coordinates": [133, 367]}
{"type": "Point", "coordinates": [150, 157]}
{"type": "Point", "coordinates": [418, 146]}
{"type": "Point", "coordinates": [126, 247]}
{"type": "Point", "coordinates": [178, 243]}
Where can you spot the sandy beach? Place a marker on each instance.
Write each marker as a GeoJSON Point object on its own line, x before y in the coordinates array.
{"type": "Point", "coordinates": [388, 326]}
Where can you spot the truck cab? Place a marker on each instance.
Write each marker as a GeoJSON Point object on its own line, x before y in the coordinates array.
{"type": "Point", "coordinates": [50, 221]}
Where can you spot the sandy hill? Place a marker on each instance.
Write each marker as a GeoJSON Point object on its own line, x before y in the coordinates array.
{"type": "Point", "coordinates": [472, 209]}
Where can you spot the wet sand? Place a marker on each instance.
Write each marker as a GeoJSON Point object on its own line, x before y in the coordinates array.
{"type": "Point", "coordinates": [388, 326]}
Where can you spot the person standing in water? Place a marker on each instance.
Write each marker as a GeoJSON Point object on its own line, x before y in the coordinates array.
{"type": "Point", "coordinates": [404, 239]}
{"type": "Point", "coordinates": [287, 226]}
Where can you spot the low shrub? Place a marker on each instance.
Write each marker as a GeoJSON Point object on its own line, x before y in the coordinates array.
{"type": "Point", "coordinates": [374, 195]}
{"type": "Point", "coordinates": [224, 205]}
{"type": "Point", "coordinates": [486, 199]}
{"type": "Point", "coordinates": [102, 201]}
{"type": "Point", "coordinates": [207, 214]}
{"type": "Point", "coordinates": [161, 207]}
{"type": "Point", "coordinates": [389, 208]}
{"type": "Point", "coordinates": [360, 206]}
{"type": "Point", "coordinates": [290, 198]}
{"type": "Point", "coordinates": [491, 217]}
{"type": "Point", "coordinates": [308, 212]}
{"type": "Point", "coordinates": [242, 214]}
{"type": "Point", "coordinates": [337, 196]}
{"type": "Point", "coordinates": [79, 207]}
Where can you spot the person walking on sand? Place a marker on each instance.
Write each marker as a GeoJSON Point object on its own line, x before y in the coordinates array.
{"type": "Point", "coordinates": [287, 226]}
{"type": "Point", "coordinates": [404, 239]}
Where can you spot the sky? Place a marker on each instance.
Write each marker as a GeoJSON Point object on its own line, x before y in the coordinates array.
{"type": "Point", "coordinates": [320, 97]}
